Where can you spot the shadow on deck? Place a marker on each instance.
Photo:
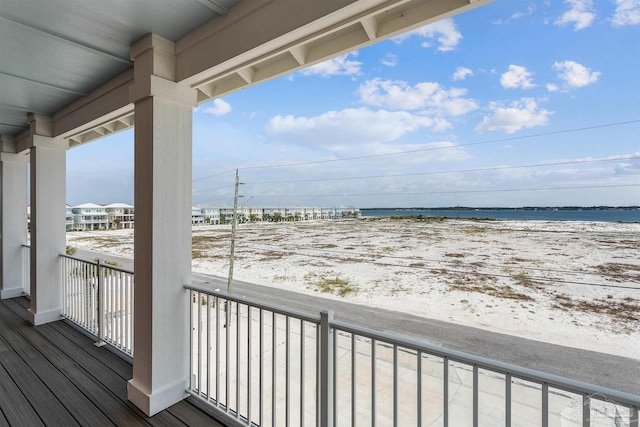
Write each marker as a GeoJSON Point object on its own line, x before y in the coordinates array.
{"type": "Point", "coordinates": [54, 375]}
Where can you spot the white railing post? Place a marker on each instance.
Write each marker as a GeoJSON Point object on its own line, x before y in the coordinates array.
{"type": "Point", "coordinates": [326, 369]}
{"type": "Point", "coordinates": [100, 305]}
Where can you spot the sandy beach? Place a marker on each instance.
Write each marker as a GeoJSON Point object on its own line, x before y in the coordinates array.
{"type": "Point", "coordinates": [569, 283]}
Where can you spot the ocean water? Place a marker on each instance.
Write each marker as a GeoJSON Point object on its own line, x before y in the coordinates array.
{"type": "Point", "coordinates": [603, 215]}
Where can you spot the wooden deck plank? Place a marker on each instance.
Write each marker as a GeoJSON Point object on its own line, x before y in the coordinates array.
{"type": "Point", "coordinates": [99, 376]}
{"type": "Point", "coordinates": [191, 415]}
{"type": "Point", "coordinates": [48, 362]}
{"type": "Point", "coordinates": [114, 388]}
{"type": "Point", "coordinates": [43, 401]}
{"type": "Point", "coordinates": [3, 420]}
{"type": "Point", "coordinates": [14, 405]}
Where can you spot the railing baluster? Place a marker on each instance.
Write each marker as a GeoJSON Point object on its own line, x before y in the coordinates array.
{"type": "Point", "coordinates": [238, 308]}
{"type": "Point", "coordinates": [445, 391]}
{"type": "Point", "coordinates": [287, 365]}
{"type": "Point", "coordinates": [327, 389]}
{"type": "Point", "coordinates": [302, 371]}
{"type": "Point", "coordinates": [475, 395]}
{"type": "Point", "coordinates": [101, 319]}
{"type": "Point", "coordinates": [191, 329]}
{"type": "Point", "coordinates": [227, 354]}
{"type": "Point", "coordinates": [353, 380]}
{"type": "Point", "coordinates": [507, 400]}
{"type": "Point", "coordinates": [199, 343]}
{"type": "Point", "coordinates": [217, 351]}
{"type": "Point", "coordinates": [586, 410]}
{"type": "Point", "coordinates": [261, 369]}
{"type": "Point", "coordinates": [395, 385]}
{"type": "Point", "coordinates": [373, 382]}
{"type": "Point", "coordinates": [249, 364]}
{"type": "Point", "coordinates": [274, 368]}
{"type": "Point", "coordinates": [319, 415]}
{"type": "Point", "coordinates": [419, 389]}
{"type": "Point", "coordinates": [545, 405]}
{"type": "Point", "coordinates": [121, 315]}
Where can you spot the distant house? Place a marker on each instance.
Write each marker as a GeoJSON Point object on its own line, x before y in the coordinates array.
{"type": "Point", "coordinates": [90, 216]}
{"type": "Point", "coordinates": [197, 217]}
{"type": "Point", "coordinates": [211, 215]}
{"type": "Point", "coordinates": [120, 216]}
{"type": "Point", "coordinates": [69, 219]}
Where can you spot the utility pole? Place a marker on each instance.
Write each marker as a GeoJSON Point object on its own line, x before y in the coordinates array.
{"type": "Point", "coordinates": [233, 233]}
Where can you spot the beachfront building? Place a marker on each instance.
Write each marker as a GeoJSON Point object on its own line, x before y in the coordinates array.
{"type": "Point", "coordinates": [197, 217]}
{"type": "Point", "coordinates": [77, 74]}
{"type": "Point", "coordinates": [120, 216]}
{"type": "Point", "coordinates": [254, 214]}
{"type": "Point", "coordinates": [89, 216]}
{"type": "Point", "coordinates": [226, 215]}
{"type": "Point", "coordinates": [211, 215]}
{"type": "Point", "coordinates": [68, 219]}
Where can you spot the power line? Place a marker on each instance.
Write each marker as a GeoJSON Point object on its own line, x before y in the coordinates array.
{"type": "Point", "coordinates": [226, 187]}
{"type": "Point", "coordinates": [491, 141]}
{"type": "Point", "coordinates": [211, 176]}
{"type": "Point", "coordinates": [492, 168]}
{"type": "Point", "coordinates": [577, 187]}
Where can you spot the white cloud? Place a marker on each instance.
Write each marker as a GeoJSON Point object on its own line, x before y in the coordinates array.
{"type": "Point", "coordinates": [462, 73]}
{"type": "Point", "coordinates": [627, 13]}
{"type": "Point", "coordinates": [575, 74]}
{"type": "Point", "coordinates": [517, 15]}
{"type": "Point", "coordinates": [339, 66]}
{"type": "Point", "coordinates": [551, 87]}
{"type": "Point", "coordinates": [219, 108]}
{"type": "Point", "coordinates": [443, 32]}
{"type": "Point", "coordinates": [581, 14]}
{"type": "Point", "coordinates": [517, 77]}
{"type": "Point", "coordinates": [522, 114]}
{"type": "Point", "coordinates": [429, 97]}
{"type": "Point", "coordinates": [390, 60]}
{"type": "Point", "coordinates": [338, 130]}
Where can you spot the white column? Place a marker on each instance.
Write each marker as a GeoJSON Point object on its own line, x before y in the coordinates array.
{"type": "Point", "coordinates": [48, 225]}
{"type": "Point", "coordinates": [13, 219]}
{"type": "Point", "coordinates": [162, 254]}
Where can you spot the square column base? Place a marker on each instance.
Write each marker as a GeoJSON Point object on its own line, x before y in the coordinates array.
{"type": "Point", "coordinates": [151, 404]}
{"type": "Point", "coordinates": [44, 317]}
{"type": "Point", "coordinates": [12, 293]}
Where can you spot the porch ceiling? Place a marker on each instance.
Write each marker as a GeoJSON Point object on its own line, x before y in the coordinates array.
{"type": "Point", "coordinates": [53, 52]}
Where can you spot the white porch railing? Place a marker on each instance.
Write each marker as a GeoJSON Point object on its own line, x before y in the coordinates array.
{"type": "Point", "coordinates": [262, 365]}
{"type": "Point", "coordinates": [26, 269]}
{"type": "Point", "coordinates": [99, 298]}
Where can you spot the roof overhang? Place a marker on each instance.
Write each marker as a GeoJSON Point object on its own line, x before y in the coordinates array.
{"type": "Point", "coordinates": [253, 42]}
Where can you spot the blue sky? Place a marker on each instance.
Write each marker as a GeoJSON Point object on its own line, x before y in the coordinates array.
{"type": "Point", "coordinates": [516, 103]}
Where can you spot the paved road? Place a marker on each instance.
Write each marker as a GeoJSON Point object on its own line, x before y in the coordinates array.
{"type": "Point", "coordinates": [619, 373]}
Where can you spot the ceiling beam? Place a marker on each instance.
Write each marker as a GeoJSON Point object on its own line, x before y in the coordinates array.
{"type": "Point", "coordinates": [107, 102]}
{"type": "Point", "coordinates": [57, 36]}
{"type": "Point", "coordinates": [253, 36]}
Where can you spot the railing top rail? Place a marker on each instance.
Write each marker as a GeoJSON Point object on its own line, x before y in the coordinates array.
{"type": "Point", "coordinates": [255, 303]}
{"type": "Point", "coordinates": [554, 381]}
{"type": "Point", "coordinates": [102, 264]}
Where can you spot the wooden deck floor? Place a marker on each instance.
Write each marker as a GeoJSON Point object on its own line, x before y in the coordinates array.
{"type": "Point", "coordinates": [54, 375]}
